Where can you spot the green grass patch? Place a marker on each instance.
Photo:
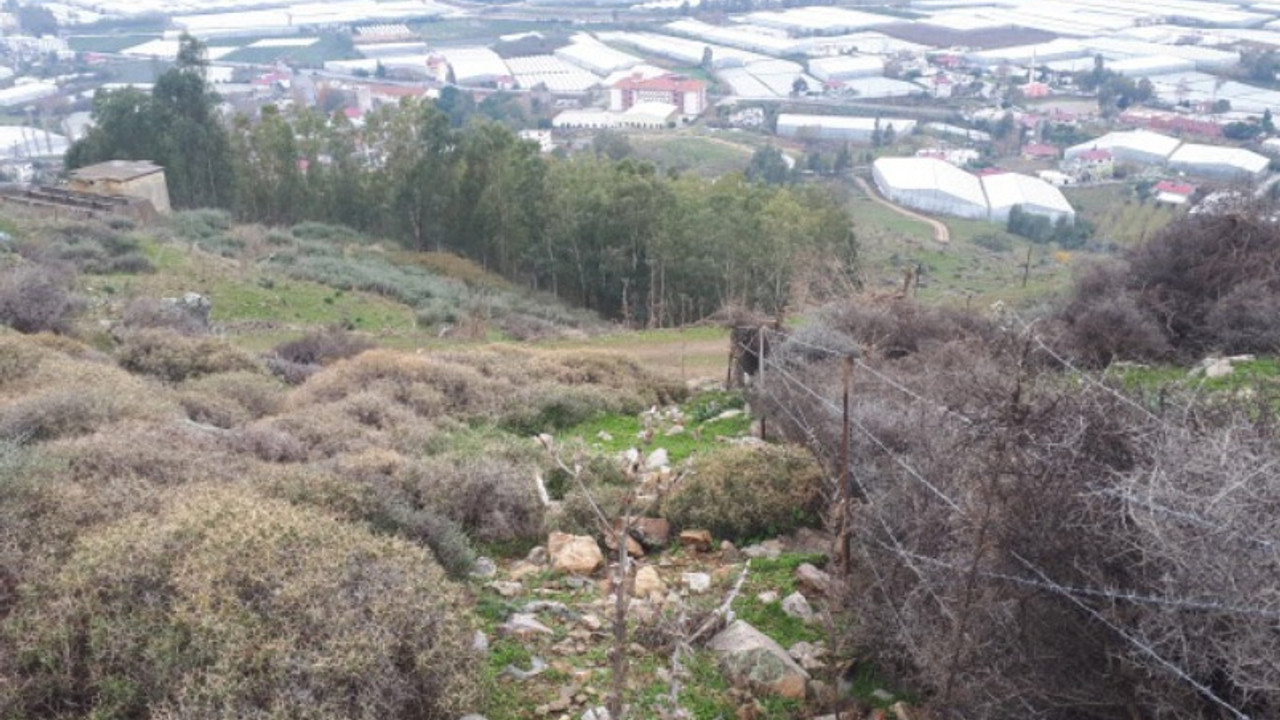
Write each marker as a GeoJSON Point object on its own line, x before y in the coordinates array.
{"type": "Point", "coordinates": [1263, 372]}
{"type": "Point", "coordinates": [107, 43]}
{"type": "Point", "coordinates": [616, 433]}
{"type": "Point", "coordinates": [778, 575]}
{"type": "Point", "coordinates": [305, 303]}
{"type": "Point", "coordinates": [703, 155]}
{"type": "Point", "coordinates": [327, 47]}
{"type": "Point", "coordinates": [478, 28]}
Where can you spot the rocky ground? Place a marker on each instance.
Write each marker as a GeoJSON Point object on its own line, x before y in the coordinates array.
{"type": "Point", "coordinates": [713, 631]}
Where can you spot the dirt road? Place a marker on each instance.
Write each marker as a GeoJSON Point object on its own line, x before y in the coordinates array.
{"type": "Point", "coordinates": [940, 231]}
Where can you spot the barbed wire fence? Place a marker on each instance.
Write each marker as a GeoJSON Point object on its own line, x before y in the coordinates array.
{"type": "Point", "coordinates": [776, 383]}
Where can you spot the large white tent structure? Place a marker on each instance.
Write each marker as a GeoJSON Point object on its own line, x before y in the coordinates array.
{"type": "Point", "coordinates": [1006, 190]}
{"type": "Point", "coordinates": [931, 185]}
{"type": "Point", "coordinates": [839, 127]}
{"type": "Point", "coordinates": [1218, 162]}
{"type": "Point", "coordinates": [1135, 146]}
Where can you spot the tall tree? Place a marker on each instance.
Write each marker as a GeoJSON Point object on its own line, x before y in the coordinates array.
{"type": "Point", "coordinates": [177, 127]}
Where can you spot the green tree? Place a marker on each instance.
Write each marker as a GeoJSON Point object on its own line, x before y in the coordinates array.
{"type": "Point", "coordinates": [768, 166]}
{"type": "Point", "coordinates": [176, 127]}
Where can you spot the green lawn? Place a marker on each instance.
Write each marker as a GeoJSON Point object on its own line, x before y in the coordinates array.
{"type": "Point", "coordinates": [107, 43]}
{"type": "Point", "coordinates": [691, 152]}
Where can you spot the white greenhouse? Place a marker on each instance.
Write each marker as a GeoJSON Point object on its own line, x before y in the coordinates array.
{"type": "Point", "coordinates": [1005, 190]}
{"type": "Point", "coordinates": [837, 127]}
{"type": "Point", "coordinates": [1218, 162]}
{"type": "Point", "coordinates": [931, 185]}
{"type": "Point", "coordinates": [1140, 147]}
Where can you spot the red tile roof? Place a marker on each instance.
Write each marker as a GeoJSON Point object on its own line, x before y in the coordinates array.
{"type": "Point", "coordinates": [666, 83]}
{"type": "Point", "coordinates": [1176, 188]}
{"type": "Point", "coordinates": [1040, 150]}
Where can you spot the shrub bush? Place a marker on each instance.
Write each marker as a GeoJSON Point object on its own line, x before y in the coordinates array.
{"type": "Point", "coordinates": [61, 413]}
{"type": "Point", "coordinates": [36, 299]}
{"type": "Point", "coordinates": [230, 399]}
{"type": "Point", "coordinates": [491, 496]}
{"type": "Point", "coordinates": [1204, 283]}
{"type": "Point", "coordinates": [745, 493]}
{"type": "Point", "coordinates": [321, 348]}
{"type": "Point", "coordinates": [155, 314]}
{"type": "Point", "coordinates": [229, 604]}
{"type": "Point", "coordinates": [174, 358]}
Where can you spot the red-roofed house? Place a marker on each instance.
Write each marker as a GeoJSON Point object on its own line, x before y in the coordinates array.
{"type": "Point", "coordinates": [1040, 151]}
{"type": "Point", "coordinates": [1173, 193]}
{"type": "Point", "coordinates": [687, 94]}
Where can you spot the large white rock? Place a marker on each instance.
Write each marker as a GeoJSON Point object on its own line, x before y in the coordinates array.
{"type": "Point", "coordinates": [752, 659]}
{"type": "Point", "coordinates": [575, 554]}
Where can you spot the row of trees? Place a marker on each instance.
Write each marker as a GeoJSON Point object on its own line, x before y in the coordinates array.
{"type": "Point", "coordinates": [617, 237]}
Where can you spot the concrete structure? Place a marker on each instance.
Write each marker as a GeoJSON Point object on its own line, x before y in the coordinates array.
{"type": "Point", "coordinates": [127, 178]}
{"type": "Point", "coordinates": [1034, 195]}
{"type": "Point", "coordinates": [1219, 162]}
{"type": "Point", "coordinates": [688, 95]}
{"type": "Point", "coordinates": [931, 185]}
{"type": "Point", "coordinates": [1139, 147]}
{"type": "Point", "coordinates": [839, 127]}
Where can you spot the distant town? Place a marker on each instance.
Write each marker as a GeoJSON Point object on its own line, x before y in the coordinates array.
{"type": "Point", "coordinates": [958, 107]}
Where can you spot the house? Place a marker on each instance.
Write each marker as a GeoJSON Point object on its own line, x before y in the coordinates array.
{"type": "Point", "coordinates": [687, 94]}
{"type": "Point", "coordinates": [1171, 192]}
{"type": "Point", "coordinates": [1093, 164]}
{"type": "Point", "coordinates": [127, 178]}
{"type": "Point", "coordinates": [1040, 151]}
{"type": "Point", "coordinates": [1035, 90]}
{"type": "Point", "coordinates": [942, 86]}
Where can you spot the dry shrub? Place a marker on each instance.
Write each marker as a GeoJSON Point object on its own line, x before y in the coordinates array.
{"type": "Point", "coordinates": [321, 348]}
{"type": "Point", "coordinates": [423, 383]}
{"type": "Point", "coordinates": [490, 495]}
{"type": "Point", "coordinates": [227, 604]}
{"type": "Point", "coordinates": [894, 329]}
{"type": "Point", "coordinates": [746, 493]}
{"type": "Point", "coordinates": [229, 399]}
{"type": "Point", "coordinates": [1103, 323]}
{"type": "Point", "coordinates": [1206, 283]}
{"type": "Point", "coordinates": [58, 395]}
{"type": "Point", "coordinates": [174, 358]}
{"type": "Point", "coordinates": [551, 408]}
{"type": "Point", "coordinates": [38, 298]}
{"type": "Point", "coordinates": [268, 443]}
{"type": "Point", "coordinates": [160, 453]}
{"type": "Point", "coordinates": [154, 314]}
{"type": "Point", "coordinates": [1029, 544]}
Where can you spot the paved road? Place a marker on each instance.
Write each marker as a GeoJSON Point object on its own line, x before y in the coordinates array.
{"type": "Point", "coordinates": [941, 232]}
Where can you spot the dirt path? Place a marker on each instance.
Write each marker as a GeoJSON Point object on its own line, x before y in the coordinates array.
{"type": "Point", "coordinates": [940, 231]}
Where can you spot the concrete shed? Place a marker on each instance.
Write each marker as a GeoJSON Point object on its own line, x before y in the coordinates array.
{"type": "Point", "coordinates": [127, 178]}
{"type": "Point", "coordinates": [931, 185]}
{"type": "Point", "coordinates": [1005, 190]}
{"type": "Point", "coordinates": [1219, 162]}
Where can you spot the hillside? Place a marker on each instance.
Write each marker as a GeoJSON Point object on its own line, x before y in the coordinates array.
{"type": "Point", "coordinates": [300, 473]}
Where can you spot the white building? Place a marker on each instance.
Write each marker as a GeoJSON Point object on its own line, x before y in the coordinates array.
{"type": "Point", "coordinates": [1219, 162]}
{"type": "Point", "coordinates": [839, 127]}
{"type": "Point", "coordinates": [932, 186]}
{"type": "Point", "coordinates": [1006, 190]}
{"type": "Point", "coordinates": [27, 93]}
{"type": "Point", "coordinates": [846, 67]}
{"type": "Point", "coordinates": [584, 120]}
{"type": "Point", "coordinates": [594, 56]}
{"type": "Point", "coordinates": [1150, 66]}
{"type": "Point", "coordinates": [1140, 147]}
{"type": "Point", "coordinates": [650, 115]}
{"type": "Point", "coordinates": [475, 65]}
